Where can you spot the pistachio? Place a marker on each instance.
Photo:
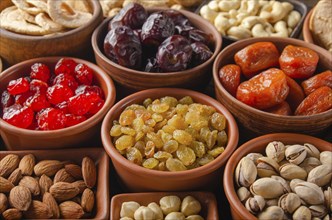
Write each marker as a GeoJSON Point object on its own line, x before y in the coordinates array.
{"type": "Point", "coordinates": [283, 182]}
{"type": "Point", "coordinates": [271, 202]}
{"type": "Point", "coordinates": [327, 217]}
{"type": "Point", "coordinates": [328, 198]}
{"type": "Point", "coordinates": [312, 151]}
{"type": "Point", "coordinates": [245, 173]}
{"type": "Point", "coordinates": [291, 171]}
{"type": "Point", "coordinates": [289, 202]}
{"type": "Point", "coordinates": [284, 161]}
{"type": "Point", "coordinates": [275, 150]}
{"type": "Point", "coordinates": [263, 188]}
{"type": "Point", "coordinates": [295, 154]}
{"type": "Point", "coordinates": [254, 157]}
{"type": "Point", "coordinates": [272, 212]}
{"type": "Point", "coordinates": [243, 194]}
{"type": "Point", "coordinates": [320, 175]}
{"type": "Point", "coordinates": [302, 213]}
{"type": "Point", "coordinates": [326, 157]}
{"type": "Point", "coordinates": [310, 163]}
{"type": "Point", "coordinates": [267, 167]}
{"type": "Point", "coordinates": [310, 193]}
{"type": "Point", "coordinates": [255, 204]}
{"type": "Point", "coordinates": [294, 183]}
{"type": "Point", "coordinates": [318, 211]}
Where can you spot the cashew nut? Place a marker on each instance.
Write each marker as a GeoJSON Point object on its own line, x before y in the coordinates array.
{"type": "Point", "coordinates": [238, 32]}
{"type": "Point", "coordinates": [232, 13]}
{"type": "Point", "coordinates": [253, 7]}
{"type": "Point", "coordinates": [279, 11]}
{"type": "Point", "coordinates": [240, 16]}
{"type": "Point", "coordinates": [293, 19]}
{"type": "Point", "coordinates": [250, 21]}
{"type": "Point", "coordinates": [281, 29]}
{"type": "Point", "coordinates": [261, 30]}
{"type": "Point", "coordinates": [222, 24]}
{"type": "Point", "coordinates": [229, 5]}
{"type": "Point", "coordinates": [213, 5]}
{"type": "Point", "coordinates": [208, 14]}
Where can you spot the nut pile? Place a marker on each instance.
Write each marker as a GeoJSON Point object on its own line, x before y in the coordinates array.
{"type": "Point", "coordinates": [44, 17]}
{"type": "Point", "coordinates": [169, 208]}
{"type": "Point", "coordinates": [290, 182]}
{"type": "Point", "coordinates": [170, 135]}
{"type": "Point", "coordinates": [46, 189]}
{"type": "Point", "coordinates": [240, 19]}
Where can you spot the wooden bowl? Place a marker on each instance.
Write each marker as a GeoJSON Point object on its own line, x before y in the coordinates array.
{"type": "Point", "coordinates": [23, 139]}
{"type": "Point", "coordinates": [206, 199]}
{"type": "Point", "coordinates": [137, 178]}
{"type": "Point", "coordinates": [262, 122]}
{"type": "Point", "coordinates": [258, 145]}
{"type": "Point", "coordinates": [16, 48]}
{"type": "Point", "coordinates": [101, 160]}
{"type": "Point", "coordinates": [139, 80]}
{"type": "Point", "coordinates": [307, 36]}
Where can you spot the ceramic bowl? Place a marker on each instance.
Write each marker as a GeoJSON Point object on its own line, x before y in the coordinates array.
{"type": "Point", "coordinates": [258, 145]}
{"type": "Point", "coordinates": [21, 139]}
{"type": "Point", "coordinates": [16, 48]}
{"type": "Point", "coordinates": [136, 178]}
{"type": "Point", "coordinates": [262, 122]}
{"type": "Point", "coordinates": [98, 155]}
{"type": "Point", "coordinates": [139, 80]}
{"type": "Point", "coordinates": [206, 199]}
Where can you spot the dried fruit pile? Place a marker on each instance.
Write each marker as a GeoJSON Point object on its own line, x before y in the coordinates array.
{"type": "Point", "coordinates": [283, 84]}
{"type": "Point", "coordinates": [47, 101]}
{"type": "Point", "coordinates": [170, 135]}
{"type": "Point", "coordinates": [46, 189]}
{"type": "Point", "coordinates": [169, 208]}
{"type": "Point", "coordinates": [165, 41]}
{"type": "Point", "coordinates": [290, 182]}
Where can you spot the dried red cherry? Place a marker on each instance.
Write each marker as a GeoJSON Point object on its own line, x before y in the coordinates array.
{"type": "Point", "coordinates": [74, 119]}
{"type": "Point", "coordinates": [40, 71]}
{"type": "Point", "coordinates": [201, 53]}
{"type": "Point", "coordinates": [37, 85]}
{"type": "Point", "coordinates": [86, 89]}
{"type": "Point", "coordinates": [18, 86]}
{"type": "Point", "coordinates": [18, 115]}
{"type": "Point", "coordinates": [65, 66]}
{"type": "Point", "coordinates": [6, 99]}
{"type": "Point", "coordinates": [96, 106]}
{"type": "Point", "coordinates": [65, 80]}
{"type": "Point", "coordinates": [51, 119]}
{"type": "Point", "coordinates": [21, 98]}
{"type": "Point", "coordinates": [174, 54]}
{"type": "Point", "coordinates": [37, 102]}
{"type": "Point", "coordinates": [83, 74]}
{"type": "Point", "coordinates": [152, 66]}
{"type": "Point", "coordinates": [58, 93]}
{"type": "Point", "coordinates": [81, 104]}
{"type": "Point", "coordinates": [63, 106]}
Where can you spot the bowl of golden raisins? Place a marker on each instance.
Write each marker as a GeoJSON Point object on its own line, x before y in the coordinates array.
{"type": "Point", "coordinates": [169, 139]}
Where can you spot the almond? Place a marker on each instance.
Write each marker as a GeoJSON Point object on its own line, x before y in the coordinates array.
{"type": "Point", "coordinates": [3, 203]}
{"type": "Point", "coordinates": [71, 210]}
{"type": "Point", "coordinates": [80, 184]}
{"type": "Point", "coordinates": [5, 185]}
{"type": "Point", "coordinates": [44, 184]}
{"type": "Point", "coordinates": [38, 210]}
{"type": "Point", "coordinates": [30, 183]}
{"type": "Point", "coordinates": [47, 167]}
{"type": "Point", "coordinates": [27, 164]}
{"type": "Point", "coordinates": [62, 191]}
{"type": "Point", "coordinates": [74, 170]}
{"type": "Point", "coordinates": [8, 164]}
{"type": "Point", "coordinates": [63, 176]}
{"type": "Point", "coordinates": [16, 176]}
{"type": "Point", "coordinates": [88, 200]}
{"type": "Point", "coordinates": [20, 198]}
{"type": "Point", "coordinates": [89, 172]}
{"type": "Point", "coordinates": [49, 200]}
{"type": "Point", "coordinates": [12, 214]}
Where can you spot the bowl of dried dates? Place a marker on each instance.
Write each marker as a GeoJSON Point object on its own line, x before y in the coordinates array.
{"type": "Point", "coordinates": [47, 28]}
{"type": "Point", "coordinates": [168, 139]}
{"type": "Point", "coordinates": [276, 85]}
{"type": "Point", "coordinates": [53, 102]}
{"type": "Point", "coordinates": [278, 176]}
{"type": "Point", "coordinates": [145, 48]}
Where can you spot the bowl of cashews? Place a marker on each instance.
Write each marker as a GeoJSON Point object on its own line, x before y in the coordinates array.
{"type": "Point", "coordinates": [37, 28]}
{"type": "Point", "coordinates": [236, 20]}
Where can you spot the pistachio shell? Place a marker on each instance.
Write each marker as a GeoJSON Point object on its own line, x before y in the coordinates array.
{"type": "Point", "coordinates": [294, 183]}
{"type": "Point", "coordinates": [310, 193]}
{"type": "Point", "coordinates": [310, 163]}
{"type": "Point", "coordinates": [295, 154]}
{"type": "Point", "coordinates": [318, 211]}
{"type": "Point", "coordinates": [328, 198]}
{"type": "Point", "coordinates": [327, 217]}
{"type": "Point", "coordinates": [254, 157]}
{"type": "Point", "coordinates": [245, 173]}
{"type": "Point", "coordinates": [263, 188]}
{"type": "Point", "coordinates": [291, 171]}
{"type": "Point", "coordinates": [302, 213]}
{"type": "Point", "coordinates": [312, 151]}
{"type": "Point", "coordinates": [289, 202]}
{"type": "Point", "coordinates": [267, 167]}
{"type": "Point", "coordinates": [255, 204]}
{"type": "Point", "coordinates": [283, 182]}
{"type": "Point", "coordinates": [320, 175]}
{"type": "Point", "coordinates": [272, 212]}
{"type": "Point", "coordinates": [326, 157]}
{"type": "Point", "coordinates": [243, 193]}
{"type": "Point", "coordinates": [275, 150]}
{"type": "Point", "coordinates": [271, 202]}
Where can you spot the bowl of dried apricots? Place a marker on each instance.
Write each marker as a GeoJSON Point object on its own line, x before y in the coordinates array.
{"type": "Point", "coordinates": [276, 85]}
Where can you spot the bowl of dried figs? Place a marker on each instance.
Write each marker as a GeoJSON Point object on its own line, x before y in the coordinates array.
{"type": "Point", "coordinates": [47, 28]}
{"type": "Point", "coordinates": [278, 176]}
{"type": "Point", "coordinates": [276, 85]}
{"type": "Point", "coordinates": [53, 102]}
{"type": "Point", "coordinates": [168, 139]}
{"type": "Point", "coordinates": [148, 48]}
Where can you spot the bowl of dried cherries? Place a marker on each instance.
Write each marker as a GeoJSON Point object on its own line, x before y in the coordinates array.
{"type": "Point", "coordinates": [53, 102]}
{"type": "Point", "coordinates": [276, 85]}
{"type": "Point", "coordinates": [157, 47]}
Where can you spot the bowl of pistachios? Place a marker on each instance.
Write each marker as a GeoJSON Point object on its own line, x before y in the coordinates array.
{"type": "Point", "coordinates": [280, 176]}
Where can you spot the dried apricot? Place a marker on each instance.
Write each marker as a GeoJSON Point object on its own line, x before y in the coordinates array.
{"type": "Point", "coordinates": [298, 62]}
{"type": "Point", "coordinates": [295, 95]}
{"type": "Point", "coordinates": [281, 109]}
{"type": "Point", "coordinates": [265, 90]}
{"type": "Point", "coordinates": [230, 76]}
{"type": "Point", "coordinates": [317, 81]}
{"type": "Point", "coordinates": [316, 102]}
{"type": "Point", "coordinates": [257, 57]}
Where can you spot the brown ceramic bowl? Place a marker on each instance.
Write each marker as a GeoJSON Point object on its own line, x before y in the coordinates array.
{"type": "Point", "coordinates": [307, 36]}
{"type": "Point", "coordinates": [137, 178]}
{"type": "Point", "coordinates": [263, 122]}
{"type": "Point", "coordinates": [76, 155]}
{"type": "Point", "coordinates": [139, 80]}
{"type": "Point", "coordinates": [23, 139]}
{"type": "Point", "coordinates": [16, 48]}
{"type": "Point", "coordinates": [207, 199]}
{"type": "Point", "coordinates": [258, 145]}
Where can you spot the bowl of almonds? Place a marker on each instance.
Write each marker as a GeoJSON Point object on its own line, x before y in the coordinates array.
{"type": "Point", "coordinates": [278, 176]}
{"type": "Point", "coordinates": [58, 184]}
